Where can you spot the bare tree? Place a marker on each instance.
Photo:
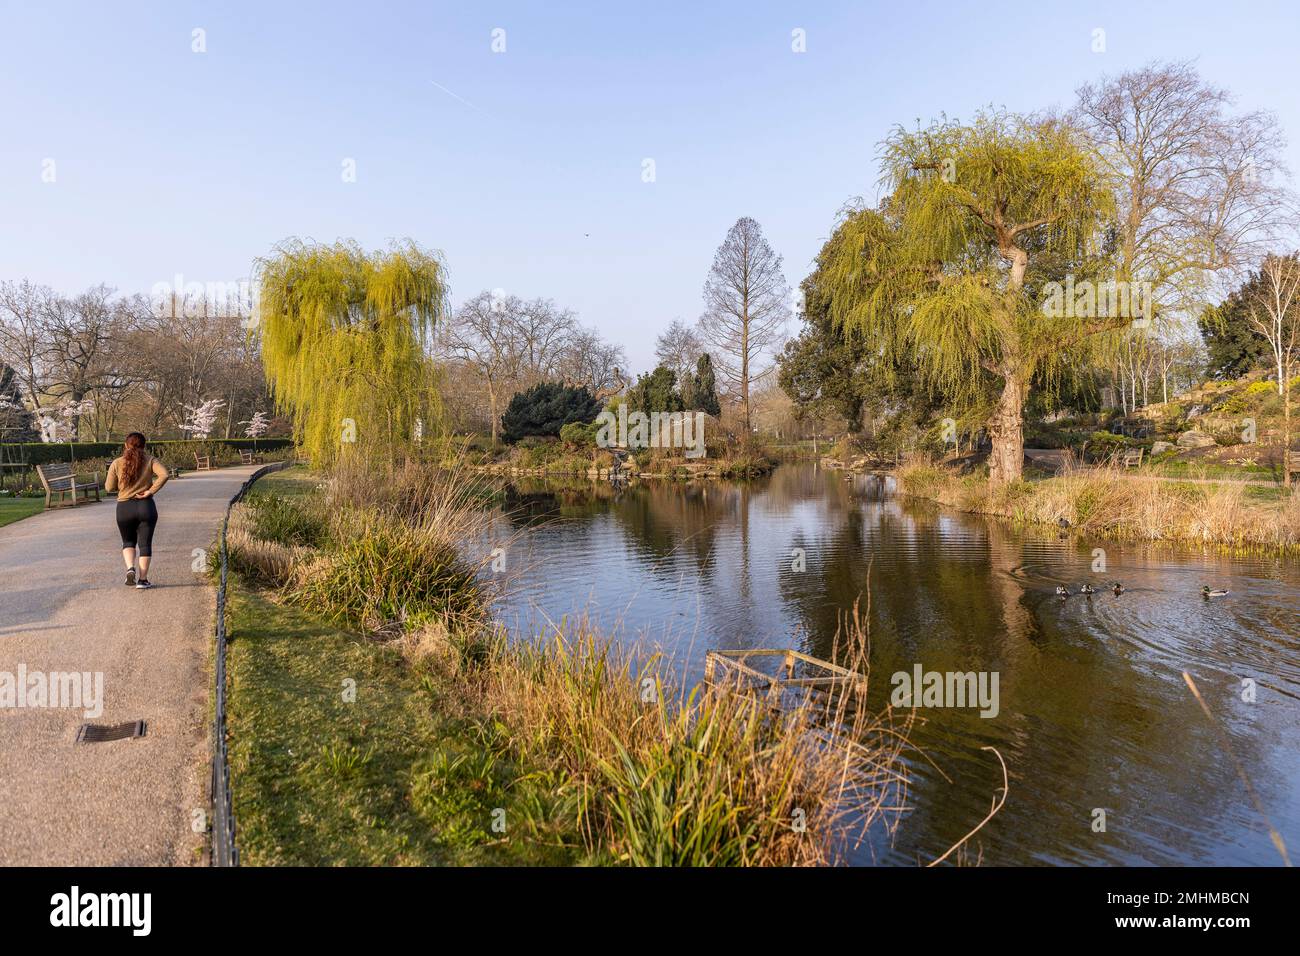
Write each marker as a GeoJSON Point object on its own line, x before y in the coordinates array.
{"type": "Point", "coordinates": [1196, 186]}
{"type": "Point", "coordinates": [1274, 314]}
{"type": "Point", "coordinates": [23, 336]}
{"type": "Point", "coordinates": [1176, 355]}
{"type": "Point", "coordinates": [542, 332]}
{"type": "Point", "coordinates": [679, 347]}
{"type": "Point", "coordinates": [83, 355]}
{"type": "Point", "coordinates": [509, 344]}
{"type": "Point", "coordinates": [746, 302]}
{"type": "Point", "coordinates": [589, 361]}
{"type": "Point", "coordinates": [186, 352]}
{"type": "Point", "coordinates": [481, 336]}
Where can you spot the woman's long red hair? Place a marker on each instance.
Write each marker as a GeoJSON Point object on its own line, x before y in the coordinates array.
{"type": "Point", "coordinates": [132, 458]}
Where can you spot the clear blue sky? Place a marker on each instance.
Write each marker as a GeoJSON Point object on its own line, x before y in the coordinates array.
{"type": "Point", "coordinates": [168, 161]}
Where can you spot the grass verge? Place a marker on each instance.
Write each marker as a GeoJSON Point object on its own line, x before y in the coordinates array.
{"type": "Point", "coordinates": [398, 724]}
{"type": "Point", "coordinates": [339, 755]}
{"type": "Point", "coordinates": [16, 509]}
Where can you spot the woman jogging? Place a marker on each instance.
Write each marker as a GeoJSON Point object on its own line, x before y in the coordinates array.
{"type": "Point", "coordinates": [136, 477]}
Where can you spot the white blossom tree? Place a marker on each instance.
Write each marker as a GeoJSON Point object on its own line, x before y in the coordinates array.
{"type": "Point", "coordinates": [258, 426]}
{"type": "Point", "coordinates": [200, 419]}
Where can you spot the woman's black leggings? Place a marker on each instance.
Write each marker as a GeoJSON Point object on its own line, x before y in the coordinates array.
{"type": "Point", "coordinates": [136, 519]}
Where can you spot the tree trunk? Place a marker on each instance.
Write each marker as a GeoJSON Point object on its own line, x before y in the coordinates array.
{"type": "Point", "coordinates": [1286, 427]}
{"type": "Point", "coordinates": [1006, 431]}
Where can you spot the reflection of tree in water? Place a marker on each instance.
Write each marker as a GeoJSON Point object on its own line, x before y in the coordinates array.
{"type": "Point", "coordinates": [1091, 713]}
{"type": "Point", "coordinates": [1078, 726]}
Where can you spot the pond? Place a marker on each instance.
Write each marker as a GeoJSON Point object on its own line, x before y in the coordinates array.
{"type": "Point", "coordinates": [1093, 711]}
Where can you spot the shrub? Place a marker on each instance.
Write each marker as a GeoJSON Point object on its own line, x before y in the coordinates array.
{"type": "Point", "coordinates": [382, 572]}
{"type": "Point", "coordinates": [288, 521]}
{"type": "Point", "coordinates": [536, 453]}
{"type": "Point", "coordinates": [580, 435]}
{"type": "Point", "coordinates": [171, 452]}
{"type": "Point", "coordinates": [546, 408]}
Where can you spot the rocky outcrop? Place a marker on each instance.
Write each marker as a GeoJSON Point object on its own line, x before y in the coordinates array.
{"type": "Point", "coordinates": [1195, 439]}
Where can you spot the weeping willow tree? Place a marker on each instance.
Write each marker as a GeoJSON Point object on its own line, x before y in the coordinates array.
{"type": "Point", "coordinates": [344, 338]}
{"type": "Point", "coordinates": [959, 271]}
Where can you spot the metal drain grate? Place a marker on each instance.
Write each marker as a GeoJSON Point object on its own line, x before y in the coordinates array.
{"type": "Point", "coordinates": [100, 733]}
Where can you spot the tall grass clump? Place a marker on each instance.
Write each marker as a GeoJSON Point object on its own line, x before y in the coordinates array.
{"type": "Point", "coordinates": [288, 520]}
{"type": "Point", "coordinates": [1106, 502]}
{"type": "Point", "coordinates": [381, 573]}
{"type": "Point", "coordinates": [719, 778]}
{"type": "Point", "coordinates": [611, 764]}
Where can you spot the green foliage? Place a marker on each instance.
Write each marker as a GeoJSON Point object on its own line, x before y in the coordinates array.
{"type": "Point", "coordinates": [173, 453]}
{"type": "Point", "coordinates": [580, 435]}
{"type": "Point", "coordinates": [948, 274]}
{"type": "Point", "coordinates": [546, 408]}
{"type": "Point", "coordinates": [827, 369]}
{"type": "Point", "coordinates": [655, 392]}
{"type": "Point", "coordinates": [294, 521]}
{"type": "Point", "coordinates": [1234, 347]}
{"type": "Point", "coordinates": [382, 571]}
{"type": "Point", "coordinates": [540, 452]}
{"type": "Point", "coordinates": [344, 336]}
{"type": "Point", "coordinates": [700, 390]}
{"type": "Point", "coordinates": [928, 276]}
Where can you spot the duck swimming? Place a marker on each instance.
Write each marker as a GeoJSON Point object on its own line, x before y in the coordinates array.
{"type": "Point", "coordinates": [1117, 588]}
{"type": "Point", "coordinates": [1208, 592]}
{"type": "Point", "coordinates": [1062, 591]}
{"type": "Point", "coordinates": [1087, 589]}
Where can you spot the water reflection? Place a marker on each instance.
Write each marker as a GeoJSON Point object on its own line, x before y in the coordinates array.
{"type": "Point", "coordinates": [1093, 715]}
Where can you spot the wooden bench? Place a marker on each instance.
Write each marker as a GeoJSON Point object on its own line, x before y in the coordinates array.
{"type": "Point", "coordinates": [248, 458]}
{"type": "Point", "coordinates": [202, 462]}
{"type": "Point", "coordinates": [1132, 457]}
{"type": "Point", "coordinates": [60, 480]}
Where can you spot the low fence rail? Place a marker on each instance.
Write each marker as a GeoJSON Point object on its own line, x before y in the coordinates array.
{"type": "Point", "coordinates": [224, 850]}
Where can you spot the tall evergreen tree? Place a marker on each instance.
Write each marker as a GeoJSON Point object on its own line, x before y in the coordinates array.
{"type": "Point", "coordinates": [655, 392]}
{"type": "Point", "coordinates": [700, 390]}
{"type": "Point", "coordinates": [1235, 344]}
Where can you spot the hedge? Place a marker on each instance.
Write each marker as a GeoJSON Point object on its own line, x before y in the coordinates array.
{"type": "Point", "coordinates": [40, 453]}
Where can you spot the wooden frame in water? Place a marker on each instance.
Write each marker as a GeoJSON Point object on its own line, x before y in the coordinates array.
{"type": "Point", "coordinates": [796, 673]}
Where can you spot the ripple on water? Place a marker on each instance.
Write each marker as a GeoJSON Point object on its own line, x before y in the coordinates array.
{"type": "Point", "coordinates": [1094, 714]}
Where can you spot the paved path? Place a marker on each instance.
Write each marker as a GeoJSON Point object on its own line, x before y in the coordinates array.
{"type": "Point", "coordinates": [64, 607]}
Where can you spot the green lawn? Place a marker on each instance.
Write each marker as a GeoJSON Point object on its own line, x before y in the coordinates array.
{"type": "Point", "coordinates": [1215, 469]}
{"type": "Point", "coordinates": [15, 509]}
{"type": "Point", "coordinates": [294, 480]}
{"type": "Point", "coordinates": [387, 778]}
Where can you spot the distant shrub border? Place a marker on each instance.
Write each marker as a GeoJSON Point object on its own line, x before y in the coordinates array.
{"type": "Point", "coordinates": [41, 453]}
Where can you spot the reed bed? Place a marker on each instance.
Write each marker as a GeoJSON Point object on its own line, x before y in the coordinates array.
{"type": "Point", "coordinates": [619, 766]}
{"type": "Point", "coordinates": [1105, 502]}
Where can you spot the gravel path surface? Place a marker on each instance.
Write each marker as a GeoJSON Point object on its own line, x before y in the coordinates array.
{"type": "Point", "coordinates": [64, 608]}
